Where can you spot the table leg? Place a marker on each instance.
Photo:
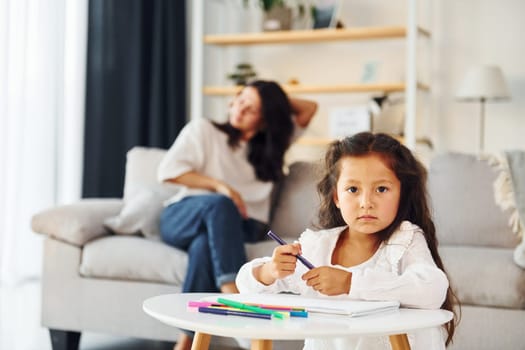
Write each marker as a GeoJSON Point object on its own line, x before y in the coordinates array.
{"type": "Point", "coordinates": [261, 344]}
{"type": "Point", "coordinates": [399, 342]}
{"type": "Point", "coordinates": [201, 341]}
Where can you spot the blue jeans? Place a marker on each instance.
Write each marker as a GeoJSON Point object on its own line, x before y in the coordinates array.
{"type": "Point", "coordinates": [212, 231]}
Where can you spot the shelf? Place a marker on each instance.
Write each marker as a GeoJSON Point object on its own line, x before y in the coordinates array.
{"type": "Point", "coordinates": [309, 36]}
{"type": "Point", "coordinates": [408, 33]}
{"type": "Point", "coordinates": [313, 89]}
{"type": "Point", "coordinates": [324, 141]}
{"type": "Point", "coordinates": [314, 141]}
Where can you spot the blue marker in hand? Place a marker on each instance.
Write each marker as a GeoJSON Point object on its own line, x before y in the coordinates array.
{"type": "Point", "coordinates": [282, 242]}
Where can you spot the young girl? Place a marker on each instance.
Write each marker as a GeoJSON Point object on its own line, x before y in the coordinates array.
{"type": "Point", "coordinates": [377, 241]}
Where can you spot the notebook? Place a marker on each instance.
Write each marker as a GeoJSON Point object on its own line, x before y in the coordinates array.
{"type": "Point", "coordinates": [320, 305]}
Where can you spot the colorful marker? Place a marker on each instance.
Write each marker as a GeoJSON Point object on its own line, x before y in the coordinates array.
{"type": "Point", "coordinates": [228, 312]}
{"type": "Point", "coordinates": [286, 310]}
{"type": "Point", "coordinates": [256, 309]}
{"type": "Point", "coordinates": [282, 242]}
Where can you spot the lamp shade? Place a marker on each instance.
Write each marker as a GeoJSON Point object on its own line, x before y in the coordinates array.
{"type": "Point", "coordinates": [483, 82]}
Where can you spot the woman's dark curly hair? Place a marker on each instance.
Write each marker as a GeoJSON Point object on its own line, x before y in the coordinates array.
{"type": "Point", "coordinates": [267, 148]}
{"type": "Point", "coordinates": [413, 202]}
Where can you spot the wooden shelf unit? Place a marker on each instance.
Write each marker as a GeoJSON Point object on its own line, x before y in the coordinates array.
{"type": "Point", "coordinates": [315, 36]}
{"type": "Point", "coordinates": [319, 89]}
{"type": "Point", "coordinates": [323, 141]}
{"type": "Point", "coordinates": [408, 33]}
{"type": "Point", "coordinates": [311, 36]}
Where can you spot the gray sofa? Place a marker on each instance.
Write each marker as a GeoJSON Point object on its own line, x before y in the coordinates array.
{"type": "Point", "coordinates": [95, 279]}
{"type": "Point", "coordinates": [477, 245]}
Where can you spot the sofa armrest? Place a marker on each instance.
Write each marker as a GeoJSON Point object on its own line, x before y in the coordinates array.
{"type": "Point", "coordinates": [76, 223]}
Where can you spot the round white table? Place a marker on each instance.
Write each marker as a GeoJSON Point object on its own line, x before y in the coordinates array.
{"type": "Point", "coordinates": [171, 309]}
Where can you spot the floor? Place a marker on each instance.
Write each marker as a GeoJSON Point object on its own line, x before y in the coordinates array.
{"type": "Point", "coordinates": [20, 325]}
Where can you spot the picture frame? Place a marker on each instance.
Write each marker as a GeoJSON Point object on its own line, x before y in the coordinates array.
{"type": "Point", "coordinates": [325, 13]}
{"type": "Point", "coordinates": [349, 120]}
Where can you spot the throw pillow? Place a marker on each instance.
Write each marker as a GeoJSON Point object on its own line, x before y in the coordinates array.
{"type": "Point", "coordinates": [76, 223]}
{"type": "Point", "coordinates": [141, 213]}
{"type": "Point", "coordinates": [141, 169]}
{"type": "Point", "coordinates": [458, 180]}
{"type": "Point", "coordinates": [297, 203]}
{"type": "Point", "coordinates": [509, 192]}
{"type": "Point", "coordinates": [143, 196]}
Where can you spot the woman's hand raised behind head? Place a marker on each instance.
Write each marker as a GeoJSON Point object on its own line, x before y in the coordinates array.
{"type": "Point", "coordinates": [303, 111]}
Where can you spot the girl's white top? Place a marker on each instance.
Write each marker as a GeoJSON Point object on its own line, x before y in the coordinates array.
{"type": "Point", "coordinates": [203, 148]}
{"type": "Point", "coordinates": [402, 269]}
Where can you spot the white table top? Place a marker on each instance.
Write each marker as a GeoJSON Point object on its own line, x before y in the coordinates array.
{"type": "Point", "coordinates": [171, 309]}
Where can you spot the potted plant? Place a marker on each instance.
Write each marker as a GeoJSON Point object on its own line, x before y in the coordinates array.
{"type": "Point", "coordinates": [243, 72]}
{"type": "Point", "coordinates": [277, 16]}
{"type": "Point", "coordinates": [267, 5]}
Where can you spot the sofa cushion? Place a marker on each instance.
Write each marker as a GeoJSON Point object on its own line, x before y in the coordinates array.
{"type": "Point", "coordinates": [76, 223]}
{"type": "Point", "coordinates": [484, 276]}
{"type": "Point", "coordinates": [263, 248]}
{"type": "Point", "coordinates": [141, 169]}
{"type": "Point", "coordinates": [464, 208]}
{"type": "Point", "coordinates": [137, 259]}
{"type": "Point", "coordinates": [133, 258]}
{"type": "Point", "coordinates": [295, 196]}
{"type": "Point", "coordinates": [143, 195]}
{"type": "Point", "coordinates": [298, 202]}
{"type": "Point", "coordinates": [140, 214]}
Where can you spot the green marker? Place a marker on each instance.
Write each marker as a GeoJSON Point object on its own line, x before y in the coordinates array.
{"type": "Point", "coordinates": [256, 309]}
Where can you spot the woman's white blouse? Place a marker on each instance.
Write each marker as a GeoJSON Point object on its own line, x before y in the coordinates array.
{"type": "Point", "coordinates": [402, 269]}
{"type": "Point", "coordinates": [203, 148]}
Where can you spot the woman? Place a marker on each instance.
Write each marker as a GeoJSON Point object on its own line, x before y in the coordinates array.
{"type": "Point", "coordinates": [226, 173]}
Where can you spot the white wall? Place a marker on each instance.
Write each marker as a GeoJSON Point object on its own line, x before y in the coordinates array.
{"type": "Point", "coordinates": [464, 33]}
{"type": "Point", "coordinates": [479, 32]}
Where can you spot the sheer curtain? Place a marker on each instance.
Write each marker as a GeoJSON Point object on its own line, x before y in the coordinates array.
{"type": "Point", "coordinates": [42, 60]}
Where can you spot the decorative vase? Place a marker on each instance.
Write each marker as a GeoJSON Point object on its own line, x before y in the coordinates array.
{"type": "Point", "coordinates": [277, 18]}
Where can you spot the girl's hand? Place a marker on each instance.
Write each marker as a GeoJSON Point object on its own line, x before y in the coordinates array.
{"type": "Point", "coordinates": [329, 280]}
{"type": "Point", "coordinates": [235, 196]}
{"type": "Point", "coordinates": [283, 264]}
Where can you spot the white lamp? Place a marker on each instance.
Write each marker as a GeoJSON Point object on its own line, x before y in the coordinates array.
{"type": "Point", "coordinates": [483, 83]}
